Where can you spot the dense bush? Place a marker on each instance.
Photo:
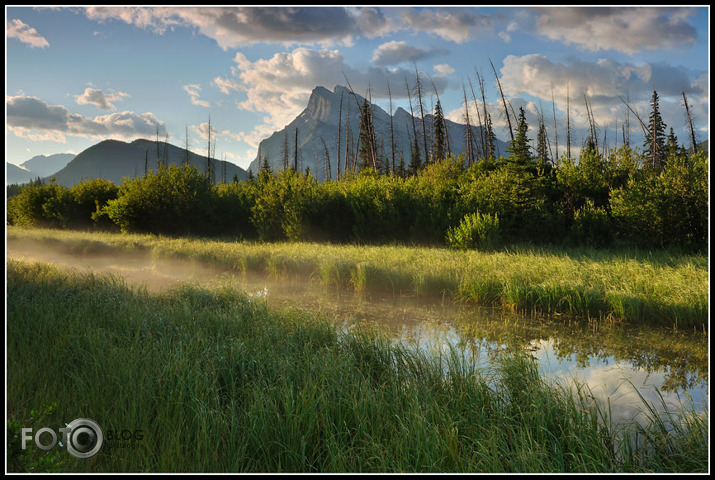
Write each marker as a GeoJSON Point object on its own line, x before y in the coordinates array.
{"type": "Point", "coordinates": [174, 200]}
{"type": "Point", "coordinates": [593, 202]}
{"type": "Point", "coordinates": [475, 231]}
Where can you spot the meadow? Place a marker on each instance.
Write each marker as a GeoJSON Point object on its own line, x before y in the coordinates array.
{"type": "Point", "coordinates": [660, 287]}
{"type": "Point", "coordinates": [212, 380]}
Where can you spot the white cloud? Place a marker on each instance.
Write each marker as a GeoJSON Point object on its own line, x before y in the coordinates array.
{"type": "Point", "coordinates": [454, 24]}
{"type": "Point", "coordinates": [226, 85]}
{"type": "Point", "coordinates": [18, 29]}
{"type": "Point", "coordinates": [232, 27]}
{"type": "Point", "coordinates": [99, 99]}
{"type": "Point", "coordinates": [396, 52]}
{"type": "Point", "coordinates": [373, 23]}
{"type": "Point", "coordinates": [33, 118]}
{"type": "Point", "coordinates": [443, 69]}
{"type": "Point", "coordinates": [505, 37]}
{"type": "Point", "coordinates": [628, 30]}
{"type": "Point", "coordinates": [604, 82]}
{"type": "Point", "coordinates": [193, 91]}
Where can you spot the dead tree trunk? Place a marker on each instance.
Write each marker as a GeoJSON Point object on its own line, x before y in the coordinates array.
{"type": "Point", "coordinates": [690, 124]}
{"type": "Point", "coordinates": [506, 110]}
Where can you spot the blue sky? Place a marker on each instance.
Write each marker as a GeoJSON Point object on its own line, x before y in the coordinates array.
{"type": "Point", "coordinates": [76, 76]}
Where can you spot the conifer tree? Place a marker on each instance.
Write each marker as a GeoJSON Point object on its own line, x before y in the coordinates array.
{"type": "Point", "coordinates": [519, 147]}
{"type": "Point", "coordinates": [671, 145]}
{"type": "Point", "coordinates": [654, 144]}
{"type": "Point", "coordinates": [439, 133]}
{"type": "Point", "coordinates": [365, 152]}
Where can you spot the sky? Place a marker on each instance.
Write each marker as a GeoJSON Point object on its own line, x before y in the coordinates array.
{"type": "Point", "coordinates": [75, 76]}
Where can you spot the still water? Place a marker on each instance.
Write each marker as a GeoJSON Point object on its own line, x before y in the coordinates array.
{"type": "Point", "coordinates": [621, 365]}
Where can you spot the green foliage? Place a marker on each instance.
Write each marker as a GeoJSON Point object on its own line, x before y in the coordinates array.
{"type": "Point", "coordinates": [173, 200]}
{"type": "Point", "coordinates": [592, 226]}
{"type": "Point", "coordinates": [32, 459]}
{"type": "Point", "coordinates": [91, 197]}
{"type": "Point", "coordinates": [666, 209]}
{"type": "Point", "coordinates": [475, 231]}
{"type": "Point", "coordinates": [49, 205]}
{"type": "Point", "coordinates": [591, 201]}
{"type": "Point", "coordinates": [233, 203]}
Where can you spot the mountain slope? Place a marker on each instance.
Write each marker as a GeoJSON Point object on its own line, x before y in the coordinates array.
{"type": "Point", "coordinates": [113, 160]}
{"type": "Point", "coordinates": [319, 122]}
{"type": "Point", "coordinates": [15, 174]}
{"type": "Point", "coordinates": [37, 167]}
{"type": "Point", "coordinates": [44, 165]}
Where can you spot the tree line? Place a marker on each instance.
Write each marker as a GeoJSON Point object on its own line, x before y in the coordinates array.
{"type": "Point", "coordinates": [656, 197]}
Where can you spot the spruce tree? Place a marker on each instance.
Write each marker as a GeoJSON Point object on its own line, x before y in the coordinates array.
{"type": "Point", "coordinates": [519, 147]}
{"type": "Point", "coordinates": [654, 144]}
{"type": "Point", "coordinates": [671, 145]}
{"type": "Point", "coordinates": [366, 152]}
{"type": "Point", "coordinates": [439, 133]}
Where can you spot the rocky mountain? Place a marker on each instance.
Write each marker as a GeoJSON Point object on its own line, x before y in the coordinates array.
{"type": "Point", "coordinates": [15, 174]}
{"type": "Point", "coordinates": [317, 128]}
{"type": "Point", "coordinates": [113, 160]}
{"type": "Point", "coordinates": [38, 166]}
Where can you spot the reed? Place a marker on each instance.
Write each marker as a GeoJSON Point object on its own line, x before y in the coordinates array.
{"type": "Point", "coordinates": [218, 382]}
{"type": "Point", "coordinates": [661, 288]}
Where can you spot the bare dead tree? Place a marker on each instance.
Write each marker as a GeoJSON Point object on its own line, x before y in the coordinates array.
{"type": "Point", "coordinates": [481, 144]}
{"type": "Point", "coordinates": [286, 151]}
{"type": "Point", "coordinates": [340, 124]}
{"type": "Point", "coordinates": [556, 131]}
{"type": "Point", "coordinates": [208, 154]}
{"type": "Point", "coordinates": [158, 150]}
{"type": "Point", "coordinates": [690, 124]}
{"type": "Point", "coordinates": [422, 113]}
{"type": "Point", "coordinates": [469, 126]}
{"type": "Point", "coordinates": [295, 157]}
{"type": "Point", "coordinates": [568, 121]}
{"type": "Point", "coordinates": [412, 115]}
{"type": "Point", "coordinates": [347, 141]}
{"type": "Point", "coordinates": [392, 132]}
{"type": "Point", "coordinates": [501, 92]}
{"type": "Point", "coordinates": [328, 171]}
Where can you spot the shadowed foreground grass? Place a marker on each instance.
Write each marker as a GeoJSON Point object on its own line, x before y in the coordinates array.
{"type": "Point", "coordinates": [656, 288]}
{"type": "Point", "coordinates": [217, 382]}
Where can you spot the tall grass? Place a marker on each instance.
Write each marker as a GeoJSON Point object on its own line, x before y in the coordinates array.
{"type": "Point", "coordinates": [217, 382]}
{"type": "Point", "coordinates": [660, 288]}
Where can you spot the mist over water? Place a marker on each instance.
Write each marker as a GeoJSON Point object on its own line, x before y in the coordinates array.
{"type": "Point", "coordinates": [432, 324]}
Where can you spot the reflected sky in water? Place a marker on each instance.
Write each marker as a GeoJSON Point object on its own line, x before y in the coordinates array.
{"type": "Point", "coordinates": [618, 363]}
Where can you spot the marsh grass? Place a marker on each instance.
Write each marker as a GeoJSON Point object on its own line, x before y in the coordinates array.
{"type": "Point", "coordinates": [660, 288]}
{"type": "Point", "coordinates": [217, 382]}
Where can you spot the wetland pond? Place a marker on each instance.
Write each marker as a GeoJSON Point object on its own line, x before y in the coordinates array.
{"type": "Point", "coordinates": [622, 365]}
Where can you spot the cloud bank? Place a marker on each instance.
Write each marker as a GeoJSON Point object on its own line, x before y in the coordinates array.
{"type": "Point", "coordinates": [33, 118]}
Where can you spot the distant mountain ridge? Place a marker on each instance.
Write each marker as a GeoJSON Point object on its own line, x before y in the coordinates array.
{"type": "Point", "coordinates": [38, 166]}
{"type": "Point", "coordinates": [114, 160]}
{"type": "Point", "coordinates": [319, 123]}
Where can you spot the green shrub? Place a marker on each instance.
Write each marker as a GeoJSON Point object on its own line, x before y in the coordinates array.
{"type": "Point", "coordinates": [592, 226]}
{"type": "Point", "coordinates": [174, 200]}
{"type": "Point", "coordinates": [476, 230]}
{"type": "Point", "coordinates": [48, 205]}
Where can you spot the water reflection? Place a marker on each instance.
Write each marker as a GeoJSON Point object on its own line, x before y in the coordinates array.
{"type": "Point", "coordinates": [620, 365]}
{"type": "Point", "coordinates": [617, 362]}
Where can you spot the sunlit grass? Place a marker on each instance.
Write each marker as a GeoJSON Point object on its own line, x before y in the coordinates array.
{"type": "Point", "coordinates": [218, 382]}
{"type": "Point", "coordinates": [661, 287]}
